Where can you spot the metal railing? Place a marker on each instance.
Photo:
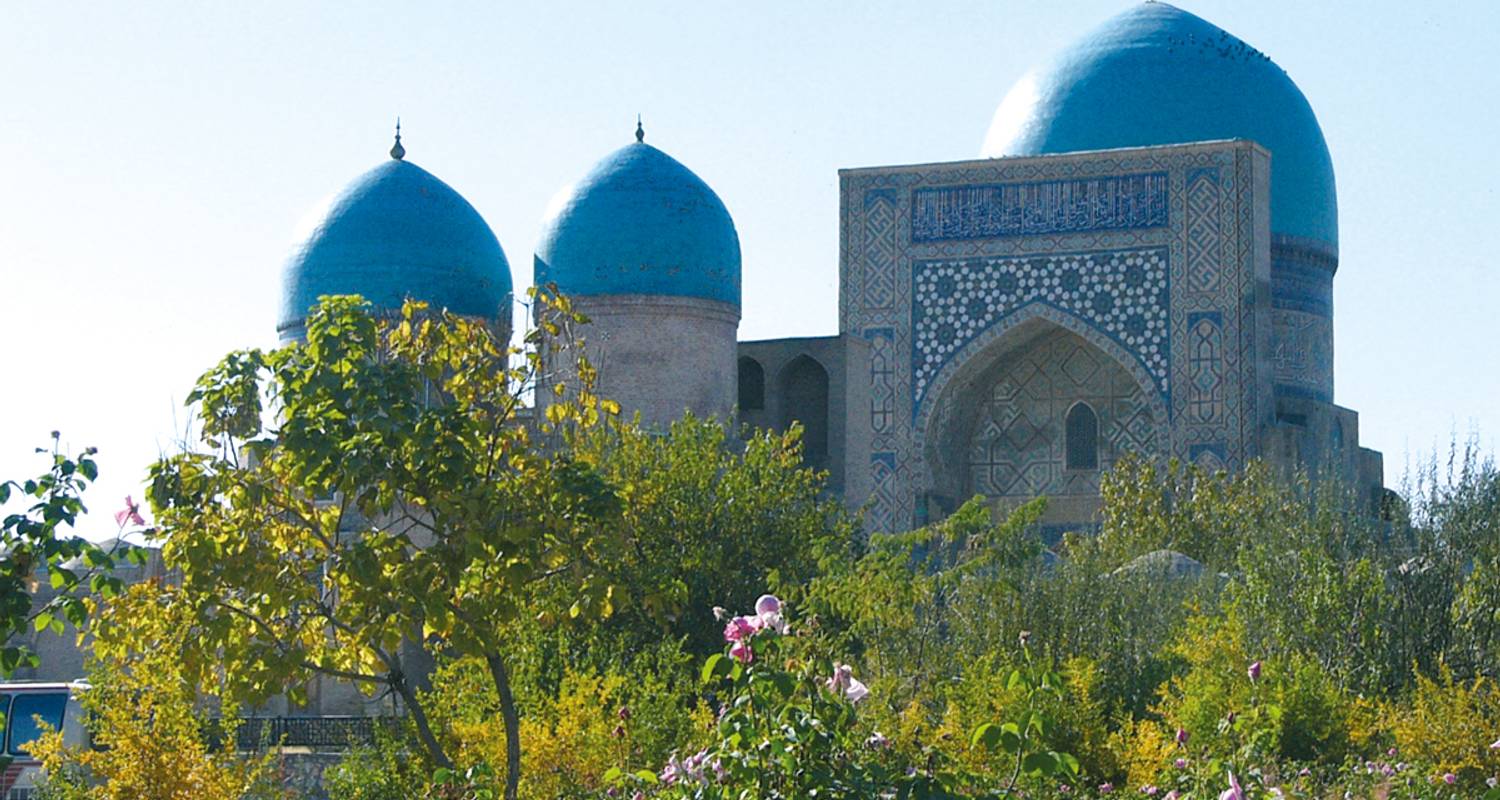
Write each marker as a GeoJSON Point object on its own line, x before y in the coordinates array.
{"type": "Point", "coordinates": [259, 733]}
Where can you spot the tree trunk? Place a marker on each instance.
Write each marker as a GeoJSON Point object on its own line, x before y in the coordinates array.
{"type": "Point", "coordinates": [419, 716]}
{"type": "Point", "coordinates": [512, 725]}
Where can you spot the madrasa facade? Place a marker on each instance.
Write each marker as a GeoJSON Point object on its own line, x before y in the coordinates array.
{"type": "Point", "coordinates": [1141, 260]}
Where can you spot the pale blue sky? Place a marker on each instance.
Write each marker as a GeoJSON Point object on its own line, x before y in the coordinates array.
{"type": "Point", "coordinates": [158, 157]}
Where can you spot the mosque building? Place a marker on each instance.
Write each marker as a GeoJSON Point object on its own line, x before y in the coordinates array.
{"type": "Point", "coordinates": [1140, 260]}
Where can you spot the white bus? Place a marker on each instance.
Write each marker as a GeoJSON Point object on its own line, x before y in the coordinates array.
{"type": "Point", "coordinates": [23, 704]}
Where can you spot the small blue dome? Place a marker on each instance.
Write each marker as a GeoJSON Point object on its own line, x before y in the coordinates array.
{"type": "Point", "coordinates": [398, 232]}
{"type": "Point", "coordinates": [641, 223]}
{"type": "Point", "coordinates": [1158, 75]}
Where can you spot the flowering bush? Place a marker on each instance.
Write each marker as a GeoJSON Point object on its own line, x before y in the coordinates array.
{"type": "Point", "coordinates": [788, 727]}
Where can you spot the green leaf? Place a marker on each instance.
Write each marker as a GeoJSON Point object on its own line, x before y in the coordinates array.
{"type": "Point", "coordinates": [987, 735]}
{"type": "Point", "coordinates": [784, 684]}
{"type": "Point", "coordinates": [1015, 681]}
{"type": "Point", "coordinates": [713, 667]}
{"type": "Point", "coordinates": [1010, 738]}
{"type": "Point", "coordinates": [1039, 763]}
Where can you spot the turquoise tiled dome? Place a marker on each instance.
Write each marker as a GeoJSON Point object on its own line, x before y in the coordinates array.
{"type": "Point", "coordinates": [398, 232]}
{"type": "Point", "coordinates": [1158, 75]}
{"type": "Point", "coordinates": [641, 223]}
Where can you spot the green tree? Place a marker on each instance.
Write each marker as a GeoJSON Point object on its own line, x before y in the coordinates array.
{"type": "Point", "coordinates": [146, 720]}
{"type": "Point", "coordinates": [371, 497]}
{"type": "Point", "coordinates": [33, 543]}
{"type": "Point", "coordinates": [713, 522]}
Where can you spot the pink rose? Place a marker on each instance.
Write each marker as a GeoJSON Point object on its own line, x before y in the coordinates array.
{"type": "Point", "coordinates": [740, 628]}
{"type": "Point", "coordinates": [843, 682]}
{"type": "Point", "coordinates": [768, 604]}
{"type": "Point", "coordinates": [741, 652]}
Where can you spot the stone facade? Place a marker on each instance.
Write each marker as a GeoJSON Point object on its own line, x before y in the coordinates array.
{"type": "Point", "coordinates": [660, 355]}
{"type": "Point", "coordinates": [1024, 322]}
{"type": "Point", "coordinates": [817, 381]}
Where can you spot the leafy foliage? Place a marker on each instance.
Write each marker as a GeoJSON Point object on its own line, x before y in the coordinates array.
{"type": "Point", "coordinates": [147, 724]}
{"type": "Point", "coordinates": [394, 507]}
{"type": "Point", "coordinates": [33, 544]}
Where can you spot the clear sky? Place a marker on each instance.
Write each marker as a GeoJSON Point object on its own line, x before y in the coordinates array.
{"type": "Point", "coordinates": [158, 158]}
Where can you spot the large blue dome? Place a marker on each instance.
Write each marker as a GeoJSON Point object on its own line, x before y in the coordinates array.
{"type": "Point", "coordinates": [641, 223]}
{"type": "Point", "coordinates": [1158, 75]}
{"type": "Point", "coordinates": [397, 232]}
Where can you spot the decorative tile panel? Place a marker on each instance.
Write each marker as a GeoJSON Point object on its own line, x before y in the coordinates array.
{"type": "Point", "coordinates": [880, 251]}
{"type": "Point", "coordinates": [1203, 259]}
{"type": "Point", "coordinates": [1122, 294]}
{"type": "Point", "coordinates": [1205, 367]}
{"type": "Point", "coordinates": [980, 251]}
{"type": "Point", "coordinates": [1017, 445]}
{"type": "Point", "coordinates": [1112, 202]}
{"type": "Point", "coordinates": [882, 380]}
{"type": "Point", "coordinates": [1302, 354]}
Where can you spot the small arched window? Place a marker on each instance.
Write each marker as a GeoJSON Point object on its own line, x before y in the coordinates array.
{"type": "Point", "coordinates": [1082, 437]}
{"type": "Point", "coordinates": [803, 387]}
{"type": "Point", "coordinates": [752, 385]}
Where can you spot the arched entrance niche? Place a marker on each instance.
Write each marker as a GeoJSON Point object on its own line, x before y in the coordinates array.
{"type": "Point", "coordinates": [1001, 417]}
{"type": "Point", "coordinates": [803, 387]}
{"type": "Point", "coordinates": [752, 383]}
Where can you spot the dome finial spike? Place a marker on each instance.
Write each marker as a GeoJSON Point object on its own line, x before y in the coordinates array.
{"type": "Point", "coordinates": [397, 151]}
{"type": "Point", "coordinates": [640, 132]}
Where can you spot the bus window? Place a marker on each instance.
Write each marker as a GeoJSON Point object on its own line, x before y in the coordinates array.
{"type": "Point", "coordinates": [23, 713]}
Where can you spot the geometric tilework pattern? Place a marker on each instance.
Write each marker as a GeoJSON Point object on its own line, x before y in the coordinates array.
{"type": "Point", "coordinates": [1206, 369]}
{"type": "Point", "coordinates": [1112, 202]}
{"type": "Point", "coordinates": [1018, 442]}
{"type": "Point", "coordinates": [1302, 354]}
{"type": "Point", "coordinates": [1204, 270]}
{"type": "Point", "coordinates": [882, 381]}
{"type": "Point", "coordinates": [1121, 294]}
{"type": "Point", "coordinates": [952, 266]}
{"type": "Point", "coordinates": [879, 290]}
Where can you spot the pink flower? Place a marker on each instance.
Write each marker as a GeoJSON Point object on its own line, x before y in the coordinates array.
{"type": "Point", "coordinates": [1106, 788]}
{"type": "Point", "coordinates": [1180, 763]}
{"type": "Point", "coordinates": [1449, 778]}
{"type": "Point", "coordinates": [740, 629]}
{"type": "Point", "coordinates": [768, 614]}
{"type": "Point", "coordinates": [1149, 791]}
{"type": "Point", "coordinates": [131, 513]}
{"type": "Point", "coordinates": [741, 652]}
{"type": "Point", "coordinates": [843, 682]}
{"type": "Point", "coordinates": [1182, 737]}
{"type": "Point", "coordinates": [1254, 671]}
{"type": "Point", "coordinates": [1496, 745]}
{"type": "Point", "coordinates": [1234, 792]}
{"type": "Point", "coordinates": [1172, 795]}
{"type": "Point", "coordinates": [767, 604]}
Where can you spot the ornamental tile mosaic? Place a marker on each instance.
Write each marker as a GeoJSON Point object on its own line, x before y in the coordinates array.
{"type": "Point", "coordinates": [1112, 202]}
{"type": "Point", "coordinates": [1016, 448]}
{"type": "Point", "coordinates": [1157, 258]}
{"type": "Point", "coordinates": [1122, 294]}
